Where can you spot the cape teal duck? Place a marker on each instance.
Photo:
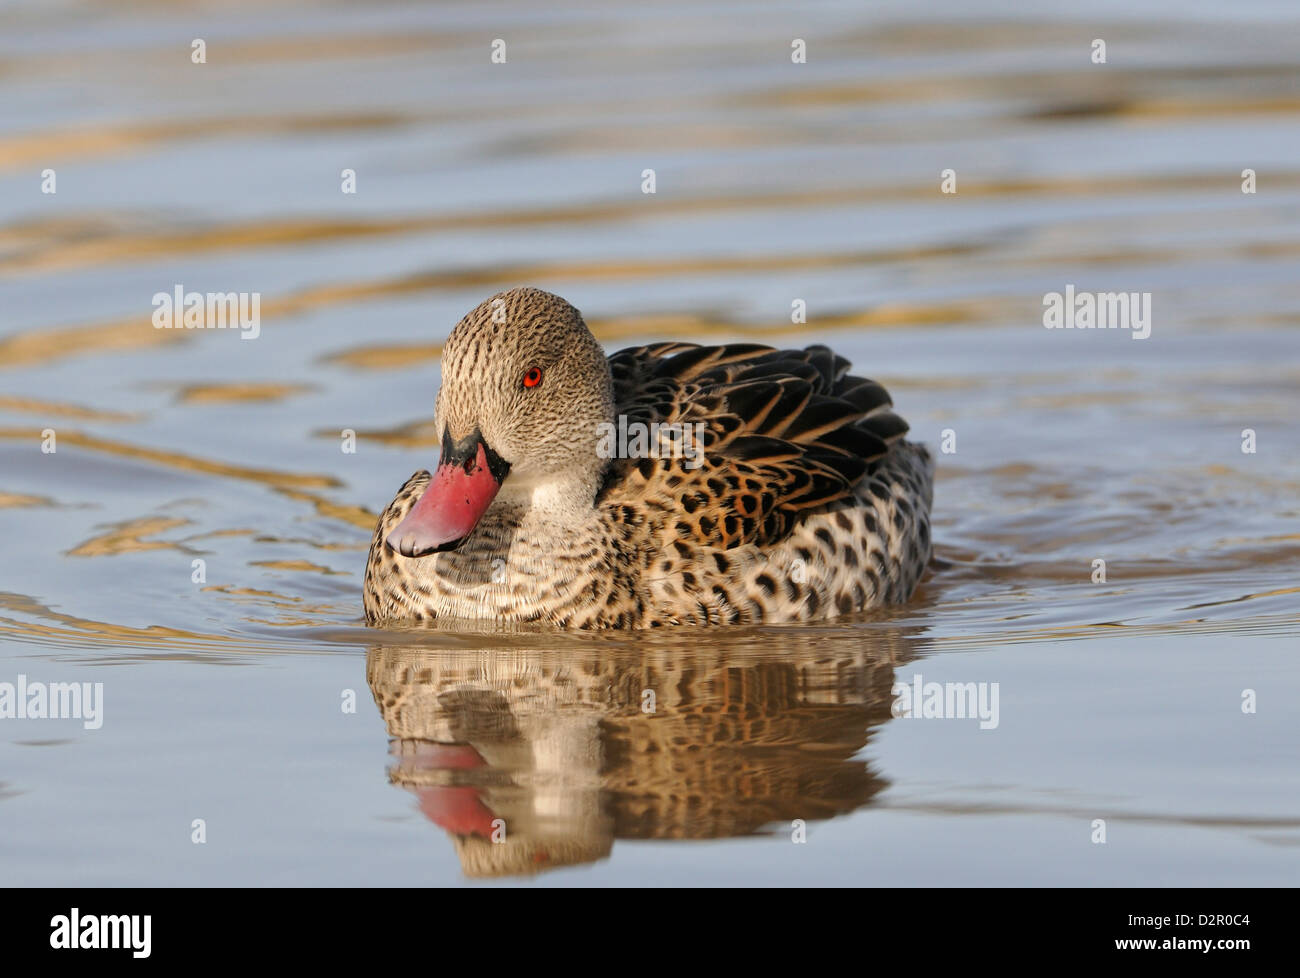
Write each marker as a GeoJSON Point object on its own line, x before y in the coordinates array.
{"type": "Point", "coordinates": [665, 484]}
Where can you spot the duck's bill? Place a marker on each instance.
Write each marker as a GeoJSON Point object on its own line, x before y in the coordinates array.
{"type": "Point", "coordinates": [468, 478]}
{"type": "Point", "coordinates": [459, 809]}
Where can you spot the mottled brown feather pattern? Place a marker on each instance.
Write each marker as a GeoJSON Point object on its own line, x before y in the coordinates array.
{"type": "Point", "coordinates": [808, 503]}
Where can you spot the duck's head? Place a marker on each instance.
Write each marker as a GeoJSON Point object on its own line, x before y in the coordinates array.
{"type": "Point", "coordinates": [525, 390]}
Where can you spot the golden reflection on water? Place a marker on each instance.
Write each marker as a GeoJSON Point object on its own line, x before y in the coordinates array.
{"type": "Point", "coordinates": [234, 393]}
{"type": "Point", "coordinates": [176, 460]}
{"type": "Point", "coordinates": [60, 409]}
{"type": "Point", "coordinates": [13, 500]}
{"type": "Point", "coordinates": [48, 345]}
{"type": "Point", "coordinates": [129, 537]}
{"type": "Point", "coordinates": [41, 623]}
{"type": "Point", "coordinates": [48, 244]}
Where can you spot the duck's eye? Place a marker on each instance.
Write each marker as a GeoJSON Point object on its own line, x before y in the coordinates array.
{"type": "Point", "coordinates": [532, 376]}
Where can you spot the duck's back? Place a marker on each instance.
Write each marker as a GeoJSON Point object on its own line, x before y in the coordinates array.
{"type": "Point", "coordinates": [783, 489]}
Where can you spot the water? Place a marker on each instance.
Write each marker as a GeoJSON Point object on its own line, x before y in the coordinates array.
{"type": "Point", "coordinates": [225, 700]}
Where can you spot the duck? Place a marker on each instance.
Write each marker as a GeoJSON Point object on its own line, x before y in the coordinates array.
{"type": "Point", "coordinates": [668, 484]}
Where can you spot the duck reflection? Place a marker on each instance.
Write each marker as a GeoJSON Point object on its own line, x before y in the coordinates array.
{"type": "Point", "coordinates": [531, 758]}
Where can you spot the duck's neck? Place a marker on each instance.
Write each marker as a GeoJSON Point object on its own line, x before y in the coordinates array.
{"type": "Point", "coordinates": [535, 501]}
{"type": "Point", "coordinates": [536, 555]}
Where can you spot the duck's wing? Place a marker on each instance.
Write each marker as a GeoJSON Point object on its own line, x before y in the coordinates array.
{"type": "Point", "coordinates": [773, 433]}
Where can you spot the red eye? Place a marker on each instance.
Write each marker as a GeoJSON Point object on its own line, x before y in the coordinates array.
{"type": "Point", "coordinates": [533, 377]}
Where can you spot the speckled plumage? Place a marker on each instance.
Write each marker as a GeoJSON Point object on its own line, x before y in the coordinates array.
{"type": "Point", "coordinates": [805, 503]}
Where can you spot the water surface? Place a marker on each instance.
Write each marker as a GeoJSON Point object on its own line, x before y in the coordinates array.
{"type": "Point", "coordinates": [225, 699]}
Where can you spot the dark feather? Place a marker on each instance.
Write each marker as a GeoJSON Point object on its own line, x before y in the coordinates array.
{"type": "Point", "coordinates": [789, 430]}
